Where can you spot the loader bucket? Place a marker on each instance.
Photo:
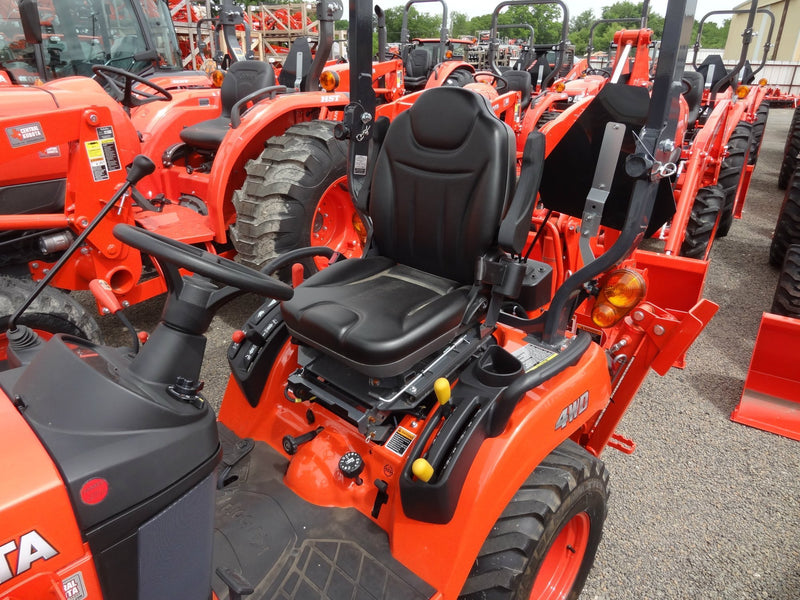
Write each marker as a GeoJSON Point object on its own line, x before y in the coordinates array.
{"type": "Point", "coordinates": [771, 396]}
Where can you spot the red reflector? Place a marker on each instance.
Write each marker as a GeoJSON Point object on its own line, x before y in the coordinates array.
{"type": "Point", "coordinates": [94, 491]}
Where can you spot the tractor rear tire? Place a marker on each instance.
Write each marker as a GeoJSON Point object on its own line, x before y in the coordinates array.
{"type": "Point", "coordinates": [52, 312]}
{"type": "Point", "coordinates": [547, 537]}
{"type": "Point", "coordinates": [701, 224]}
{"type": "Point", "coordinates": [459, 78]}
{"type": "Point", "coordinates": [787, 228]}
{"type": "Point", "coordinates": [786, 301]}
{"type": "Point", "coordinates": [731, 172]}
{"type": "Point", "coordinates": [277, 207]}
{"type": "Point", "coordinates": [790, 151]}
{"type": "Point", "coordinates": [759, 124]}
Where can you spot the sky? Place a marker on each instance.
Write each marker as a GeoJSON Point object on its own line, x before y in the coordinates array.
{"type": "Point", "coordinates": [474, 8]}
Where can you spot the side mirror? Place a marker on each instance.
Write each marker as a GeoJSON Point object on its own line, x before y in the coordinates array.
{"type": "Point", "coordinates": [31, 25]}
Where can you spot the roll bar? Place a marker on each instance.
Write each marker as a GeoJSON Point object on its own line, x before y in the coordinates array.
{"type": "Point", "coordinates": [494, 42]}
{"type": "Point", "coordinates": [443, 32]}
{"type": "Point", "coordinates": [747, 38]}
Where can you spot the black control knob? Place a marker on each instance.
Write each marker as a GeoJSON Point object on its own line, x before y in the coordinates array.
{"type": "Point", "coordinates": [292, 444]}
{"type": "Point", "coordinates": [352, 465]}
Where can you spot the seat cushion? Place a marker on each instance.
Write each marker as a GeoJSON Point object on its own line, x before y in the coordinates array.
{"type": "Point", "coordinates": [378, 316]}
{"type": "Point", "coordinates": [206, 134]}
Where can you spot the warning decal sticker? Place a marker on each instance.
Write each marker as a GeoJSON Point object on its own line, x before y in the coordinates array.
{"type": "Point", "coordinates": [97, 160]}
{"type": "Point", "coordinates": [532, 356]}
{"type": "Point", "coordinates": [400, 441]}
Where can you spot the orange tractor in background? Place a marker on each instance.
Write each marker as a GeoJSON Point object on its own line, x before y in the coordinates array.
{"type": "Point", "coordinates": [67, 143]}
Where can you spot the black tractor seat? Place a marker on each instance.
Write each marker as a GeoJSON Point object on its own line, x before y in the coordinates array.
{"type": "Point", "coordinates": [520, 81]}
{"type": "Point", "coordinates": [242, 79]}
{"type": "Point", "coordinates": [442, 187]}
{"type": "Point", "coordinates": [418, 67]}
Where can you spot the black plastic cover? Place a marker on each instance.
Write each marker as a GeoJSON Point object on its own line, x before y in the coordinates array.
{"type": "Point", "coordinates": [98, 427]}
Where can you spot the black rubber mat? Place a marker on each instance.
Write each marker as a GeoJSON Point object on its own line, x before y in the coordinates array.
{"type": "Point", "coordinates": [290, 549]}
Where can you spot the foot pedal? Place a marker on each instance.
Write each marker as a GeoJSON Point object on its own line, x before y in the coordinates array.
{"type": "Point", "coordinates": [238, 586]}
{"type": "Point", "coordinates": [234, 449]}
{"type": "Point", "coordinates": [621, 443]}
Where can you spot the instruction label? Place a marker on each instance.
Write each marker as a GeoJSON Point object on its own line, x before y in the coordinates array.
{"type": "Point", "coordinates": [109, 145]}
{"type": "Point", "coordinates": [360, 164]}
{"type": "Point", "coordinates": [400, 441]}
{"type": "Point", "coordinates": [97, 160]}
{"type": "Point", "coordinates": [532, 356]}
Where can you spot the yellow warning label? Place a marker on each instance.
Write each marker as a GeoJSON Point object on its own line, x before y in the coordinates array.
{"type": "Point", "coordinates": [94, 149]}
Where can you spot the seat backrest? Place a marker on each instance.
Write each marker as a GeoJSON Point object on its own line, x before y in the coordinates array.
{"type": "Point", "coordinates": [719, 70]}
{"type": "Point", "coordinates": [693, 94]}
{"type": "Point", "coordinates": [288, 76]}
{"type": "Point", "coordinates": [520, 81]}
{"type": "Point", "coordinates": [442, 181]}
{"type": "Point", "coordinates": [540, 64]}
{"type": "Point", "coordinates": [746, 76]}
{"type": "Point", "coordinates": [243, 78]}
{"type": "Point", "coordinates": [418, 63]}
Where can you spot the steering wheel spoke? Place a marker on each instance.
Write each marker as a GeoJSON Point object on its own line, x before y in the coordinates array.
{"type": "Point", "coordinates": [203, 263]}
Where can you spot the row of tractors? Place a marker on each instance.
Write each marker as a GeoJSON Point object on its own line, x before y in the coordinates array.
{"type": "Point", "coordinates": [472, 309]}
{"type": "Point", "coordinates": [255, 168]}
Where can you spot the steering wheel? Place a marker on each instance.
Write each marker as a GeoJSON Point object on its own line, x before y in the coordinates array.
{"type": "Point", "coordinates": [597, 71]}
{"type": "Point", "coordinates": [202, 262]}
{"type": "Point", "coordinates": [495, 79]}
{"type": "Point", "coordinates": [121, 83]}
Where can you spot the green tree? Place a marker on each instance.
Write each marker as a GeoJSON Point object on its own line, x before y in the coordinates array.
{"type": "Point", "coordinates": [604, 33]}
{"type": "Point", "coordinates": [714, 35]}
{"type": "Point", "coordinates": [419, 25]}
{"type": "Point", "coordinates": [459, 25]}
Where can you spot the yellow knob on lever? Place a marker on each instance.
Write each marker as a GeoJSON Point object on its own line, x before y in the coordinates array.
{"type": "Point", "coordinates": [441, 387]}
{"type": "Point", "coordinates": [422, 469]}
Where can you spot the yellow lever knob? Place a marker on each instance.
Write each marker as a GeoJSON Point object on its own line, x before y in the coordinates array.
{"type": "Point", "coordinates": [441, 387]}
{"type": "Point", "coordinates": [422, 470]}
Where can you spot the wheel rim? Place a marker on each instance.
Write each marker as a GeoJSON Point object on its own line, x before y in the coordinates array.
{"type": "Point", "coordinates": [334, 223]}
{"type": "Point", "coordinates": [563, 560]}
{"type": "Point", "coordinates": [45, 335]}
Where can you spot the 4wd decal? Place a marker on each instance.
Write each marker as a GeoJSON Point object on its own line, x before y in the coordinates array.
{"type": "Point", "coordinates": [571, 412]}
{"type": "Point", "coordinates": [22, 135]}
{"type": "Point", "coordinates": [31, 547]}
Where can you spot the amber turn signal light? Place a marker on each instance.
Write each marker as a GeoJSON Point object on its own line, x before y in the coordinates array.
{"type": "Point", "coordinates": [620, 292]}
{"type": "Point", "coordinates": [217, 77]}
{"type": "Point", "coordinates": [328, 81]}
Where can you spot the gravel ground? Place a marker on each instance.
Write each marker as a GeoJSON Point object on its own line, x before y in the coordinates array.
{"type": "Point", "coordinates": [705, 508]}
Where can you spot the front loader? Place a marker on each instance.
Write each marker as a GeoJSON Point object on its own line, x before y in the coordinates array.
{"type": "Point", "coordinates": [392, 428]}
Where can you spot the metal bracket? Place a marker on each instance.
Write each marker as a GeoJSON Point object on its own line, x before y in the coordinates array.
{"type": "Point", "coordinates": [601, 187]}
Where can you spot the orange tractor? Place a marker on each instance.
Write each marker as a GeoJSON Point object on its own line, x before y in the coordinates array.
{"type": "Point", "coordinates": [393, 427]}
{"type": "Point", "coordinates": [67, 143]}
